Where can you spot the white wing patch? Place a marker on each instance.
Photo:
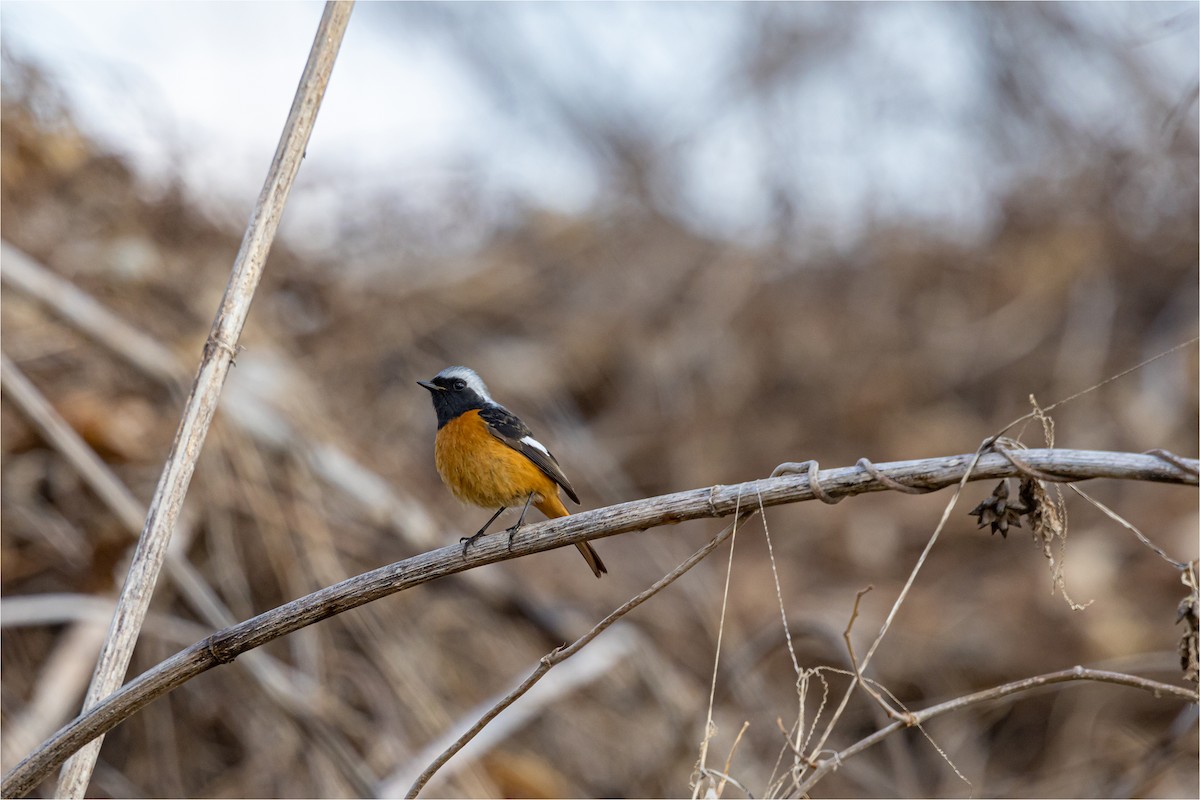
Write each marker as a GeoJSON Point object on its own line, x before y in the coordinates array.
{"type": "Point", "coordinates": [534, 443]}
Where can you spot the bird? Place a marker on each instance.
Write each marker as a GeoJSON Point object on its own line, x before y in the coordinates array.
{"type": "Point", "coordinates": [488, 457]}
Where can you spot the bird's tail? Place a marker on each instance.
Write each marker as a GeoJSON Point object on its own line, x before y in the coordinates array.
{"type": "Point", "coordinates": [553, 508]}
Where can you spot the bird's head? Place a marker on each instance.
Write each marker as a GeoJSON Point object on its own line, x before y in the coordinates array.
{"type": "Point", "coordinates": [456, 390]}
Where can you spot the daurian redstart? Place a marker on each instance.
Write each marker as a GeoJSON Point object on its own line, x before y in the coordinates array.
{"type": "Point", "coordinates": [488, 457]}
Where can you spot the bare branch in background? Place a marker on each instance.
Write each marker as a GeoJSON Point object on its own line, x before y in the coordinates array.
{"type": "Point", "coordinates": [224, 646]}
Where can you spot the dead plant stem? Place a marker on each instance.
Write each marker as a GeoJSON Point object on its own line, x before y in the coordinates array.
{"type": "Point", "coordinates": [201, 404]}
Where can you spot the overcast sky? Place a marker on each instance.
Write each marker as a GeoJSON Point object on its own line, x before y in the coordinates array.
{"type": "Point", "coordinates": [201, 90]}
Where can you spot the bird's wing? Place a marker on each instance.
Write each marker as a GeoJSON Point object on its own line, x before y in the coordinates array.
{"type": "Point", "coordinates": [508, 428]}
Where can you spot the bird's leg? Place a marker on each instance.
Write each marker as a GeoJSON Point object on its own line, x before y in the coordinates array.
{"type": "Point", "coordinates": [513, 530]}
{"type": "Point", "coordinates": [468, 540]}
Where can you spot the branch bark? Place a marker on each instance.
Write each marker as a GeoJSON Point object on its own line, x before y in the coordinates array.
{"type": "Point", "coordinates": [716, 501]}
{"type": "Point", "coordinates": [206, 389]}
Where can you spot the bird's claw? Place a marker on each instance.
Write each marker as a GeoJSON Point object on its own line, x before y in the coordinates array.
{"type": "Point", "coordinates": [468, 541]}
{"type": "Point", "coordinates": [511, 533]}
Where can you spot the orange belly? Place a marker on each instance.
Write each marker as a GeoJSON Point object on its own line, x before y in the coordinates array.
{"type": "Point", "coordinates": [482, 470]}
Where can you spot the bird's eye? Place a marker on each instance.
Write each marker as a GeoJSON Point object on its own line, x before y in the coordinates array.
{"type": "Point", "coordinates": [459, 384]}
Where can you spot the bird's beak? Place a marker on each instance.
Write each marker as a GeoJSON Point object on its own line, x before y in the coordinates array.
{"type": "Point", "coordinates": [433, 387]}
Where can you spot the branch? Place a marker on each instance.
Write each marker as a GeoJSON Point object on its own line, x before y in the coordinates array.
{"type": "Point", "coordinates": [559, 655]}
{"type": "Point", "coordinates": [292, 695]}
{"type": "Point", "coordinates": [201, 404]}
{"type": "Point", "coordinates": [81, 311]}
{"type": "Point", "coordinates": [1156, 688]}
{"type": "Point", "coordinates": [22, 273]}
{"type": "Point", "coordinates": [59, 433]}
{"type": "Point", "coordinates": [717, 501]}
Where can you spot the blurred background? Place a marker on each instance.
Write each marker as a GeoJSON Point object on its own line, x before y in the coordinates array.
{"type": "Point", "coordinates": [685, 243]}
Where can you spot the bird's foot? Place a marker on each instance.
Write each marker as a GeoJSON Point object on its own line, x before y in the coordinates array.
{"type": "Point", "coordinates": [511, 533]}
{"type": "Point", "coordinates": [468, 541]}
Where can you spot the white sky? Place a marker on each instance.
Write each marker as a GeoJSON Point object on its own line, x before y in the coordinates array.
{"type": "Point", "coordinates": [202, 89]}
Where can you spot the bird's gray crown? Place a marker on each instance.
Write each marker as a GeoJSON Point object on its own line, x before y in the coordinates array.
{"type": "Point", "coordinates": [473, 381]}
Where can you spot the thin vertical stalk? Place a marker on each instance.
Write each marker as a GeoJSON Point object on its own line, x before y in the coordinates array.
{"type": "Point", "coordinates": [219, 352]}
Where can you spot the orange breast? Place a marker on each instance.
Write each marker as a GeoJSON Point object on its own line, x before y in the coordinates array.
{"type": "Point", "coordinates": [482, 470]}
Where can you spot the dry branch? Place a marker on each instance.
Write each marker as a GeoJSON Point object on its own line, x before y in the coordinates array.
{"type": "Point", "coordinates": [24, 274]}
{"type": "Point", "coordinates": [1156, 688]}
{"type": "Point", "coordinates": [206, 389]}
{"type": "Point", "coordinates": [58, 432]}
{"type": "Point", "coordinates": [483, 734]}
{"type": "Point", "coordinates": [550, 660]}
{"type": "Point", "coordinates": [337, 468]}
{"type": "Point", "coordinates": [277, 681]}
{"type": "Point", "coordinates": [716, 501]}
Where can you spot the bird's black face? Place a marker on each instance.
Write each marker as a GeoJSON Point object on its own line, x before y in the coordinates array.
{"type": "Point", "coordinates": [453, 395]}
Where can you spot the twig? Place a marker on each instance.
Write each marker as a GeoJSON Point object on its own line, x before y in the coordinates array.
{"type": "Point", "coordinates": [729, 762]}
{"type": "Point", "coordinates": [1117, 518]}
{"type": "Point", "coordinates": [717, 501]}
{"type": "Point", "coordinates": [61, 678]}
{"type": "Point", "coordinates": [81, 311]}
{"type": "Point", "coordinates": [858, 676]}
{"type": "Point", "coordinates": [57, 690]}
{"type": "Point", "coordinates": [1041, 412]}
{"type": "Point", "coordinates": [710, 728]}
{"type": "Point", "coordinates": [621, 642]}
{"type": "Point", "coordinates": [563, 653]}
{"type": "Point", "coordinates": [801, 675]}
{"type": "Point", "coordinates": [206, 389]}
{"type": "Point", "coordinates": [284, 686]}
{"type": "Point", "coordinates": [21, 272]}
{"type": "Point", "coordinates": [62, 437]}
{"type": "Point", "coordinates": [908, 719]}
{"type": "Point", "coordinates": [333, 464]}
{"type": "Point", "coordinates": [968, 474]}
{"type": "Point", "coordinates": [42, 610]}
{"type": "Point", "coordinates": [1156, 688]}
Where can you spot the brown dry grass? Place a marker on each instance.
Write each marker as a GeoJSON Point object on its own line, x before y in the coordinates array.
{"type": "Point", "coordinates": [651, 360]}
